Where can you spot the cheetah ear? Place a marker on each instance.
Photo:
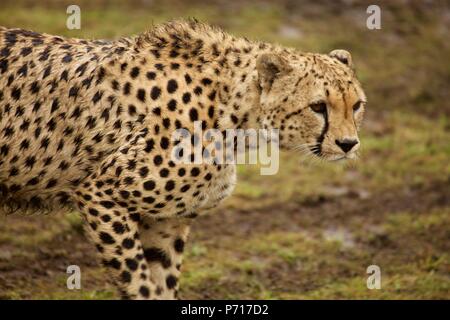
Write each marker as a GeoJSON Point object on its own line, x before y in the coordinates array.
{"type": "Point", "coordinates": [271, 66]}
{"type": "Point", "coordinates": [343, 56]}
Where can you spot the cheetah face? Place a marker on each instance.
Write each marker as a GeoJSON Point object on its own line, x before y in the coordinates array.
{"type": "Point", "coordinates": [315, 101]}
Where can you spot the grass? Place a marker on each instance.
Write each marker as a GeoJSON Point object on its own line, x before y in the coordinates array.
{"type": "Point", "coordinates": [311, 230]}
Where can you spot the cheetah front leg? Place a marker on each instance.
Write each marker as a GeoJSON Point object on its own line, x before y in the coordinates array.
{"type": "Point", "coordinates": [115, 233]}
{"type": "Point", "coordinates": [163, 241]}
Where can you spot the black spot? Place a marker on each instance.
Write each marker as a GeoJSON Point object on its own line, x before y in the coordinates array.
{"type": "Point", "coordinates": [166, 123]}
{"type": "Point", "coordinates": [136, 193]}
{"type": "Point", "coordinates": [211, 111]}
{"type": "Point", "coordinates": [67, 58]}
{"type": "Point", "coordinates": [131, 264]}
{"type": "Point", "coordinates": [143, 290]}
{"type": "Point", "coordinates": [170, 185]}
{"type": "Point", "coordinates": [100, 75]}
{"type": "Point", "coordinates": [25, 51]}
{"type": "Point", "coordinates": [128, 243]}
{"type": "Point", "coordinates": [181, 172]}
{"type": "Point", "coordinates": [33, 181]}
{"type": "Point", "coordinates": [148, 200]}
{"type": "Point", "coordinates": [179, 245]}
{"type": "Point", "coordinates": [118, 227]}
{"type": "Point", "coordinates": [195, 172]}
{"type": "Point", "coordinates": [5, 52]}
{"type": "Point", "coordinates": [8, 131]}
{"type": "Point", "coordinates": [107, 204]}
{"type": "Point", "coordinates": [165, 142]}
{"type": "Point", "coordinates": [25, 124]}
{"type": "Point", "coordinates": [186, 97]}
{"type": "Point", "coordinates": [193, 114]}
{"type": "Point", "coordinates": [149, 185]}
{"type": "Point", "coordinates": [125, 276]}
{"type": "Point", "coordinates": [131, 164]}
{"type": "Point", "coordinates": [124, 194]}
{"type": "Point", "coordinates": [212, 95]}
{"type": "Point", "coordinates": [47, 72]}
{"type": "Point", "coordinates": [36, 106]}
{"type": "Point", "coordinates": [51, 124]}
{"type": "Point", "coordinates": [155, 93]}
{"type": "Point", "coordinates": [13, 172]}
{"type": "Point", "coordinates": [172, 105]}
{"type": "Point", "coordinates": [206, 81]}
{"type": "Point", "coordinates": [97, 96]}
{"type": "Point", "coordinates": [151, 75]}
{"type": "Point", "coordinates": [172, 86]}
{"type": "Point", "coordinates": [93, 212]}
{"type": "Point", "coordinates": [106, 218]}
{"type": "Point", "coordinates": [160, 205]}
{"type": "Point", "coordinates": [114, 263]}
{"type": "Point", "coordinates": [149, 145]}
{"type": "Point", "coordinates": [171, 282]}
{"type": "Point", "coordinates": [99, 184]}
{"type": "Point", "coordinates": [141, 95]}
{"type": "Point", "coordinates": [34, 87]}
{"type": "Point", "coordinates": [185, 188]}
{"type": "Point", "coordinates": [127, 88]}
{"type": "Point", "coordinates": [164, 173]}
{"type": "Point", "coordinates": [188, 78]}
{"type": "Point", "coordinates": [23, 70]}
{"type": "Point", "coordinates": [157, 111]}
{"type": "Point", "coordinates": [115, 85]}
{"type": "Point", "coordinates": [63, 165]}
{"type": "Point", "coordinates": [30, 161]}
{"type": "Point", "coordinates": [173, 53]}
{"type": "Point", "coordinates": [51, 183]}
{"type": "Point", "coordinates": [24, 145]}
{"type": "Point", "coordinates": [15, 93]}
{"type": "Point", "coordinates": [157, 160]}
{"type": "Point", "coordinates": [81, 69]}
{"type": "Point", "coordinates": [157, 255]}
{"type": "Point", "coordinates": [135, 217]}
{"type": "Point", "coordinates": [55, 105]}
{"type": "Point", "coordinates": [64, 75]}
{"type": "Point", "coordinates": [198, 91]}
{"type": "Point", "coordinates": [143, 172]}
{"type": "Point", "coordinates": [106, 238]}
{"type": "Point", "coordinates": [87, 197]}
{"type": "Point", "coordinates": [131, 110]}
{"type": "Point", "coordinates": [134, 72]}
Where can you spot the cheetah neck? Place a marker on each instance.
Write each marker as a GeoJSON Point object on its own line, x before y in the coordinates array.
{"type": "Point", "coordinates": [229, 60]}
{"type": "Point", "coordinates": [238, 86]}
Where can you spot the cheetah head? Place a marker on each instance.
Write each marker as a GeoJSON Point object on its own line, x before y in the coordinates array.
{"type": "Point", "coordinates": [314, 100]}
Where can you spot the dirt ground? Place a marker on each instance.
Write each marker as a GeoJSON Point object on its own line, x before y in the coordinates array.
{"type": "Point", "coordinates": [310, 231]}
{"type": "Point", "coordinates": [31, 271]}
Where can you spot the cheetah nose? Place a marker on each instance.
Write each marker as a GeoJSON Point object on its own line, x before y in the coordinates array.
{"type": "Point", "coordinates": [346, 144]}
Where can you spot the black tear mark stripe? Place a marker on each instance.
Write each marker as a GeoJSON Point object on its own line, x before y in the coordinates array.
{"type": "Point", "coordinates": [320, 139]}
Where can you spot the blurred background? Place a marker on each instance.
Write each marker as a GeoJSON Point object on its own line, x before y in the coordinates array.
{"type": "Point", "coordinates": [312, 230]}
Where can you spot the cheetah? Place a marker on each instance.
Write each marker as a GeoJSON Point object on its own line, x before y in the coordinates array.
{"type": "Point", "coordinates": [87, 124]}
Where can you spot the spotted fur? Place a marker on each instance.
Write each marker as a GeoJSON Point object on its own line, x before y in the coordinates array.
{"type": "Point", "coordinates": [87, 124]}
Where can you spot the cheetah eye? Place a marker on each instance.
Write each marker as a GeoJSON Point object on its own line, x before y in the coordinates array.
{"type": "Point", "coordinates": [319, 107]}
{"type": "Point", "coordinates": [357, 106]}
